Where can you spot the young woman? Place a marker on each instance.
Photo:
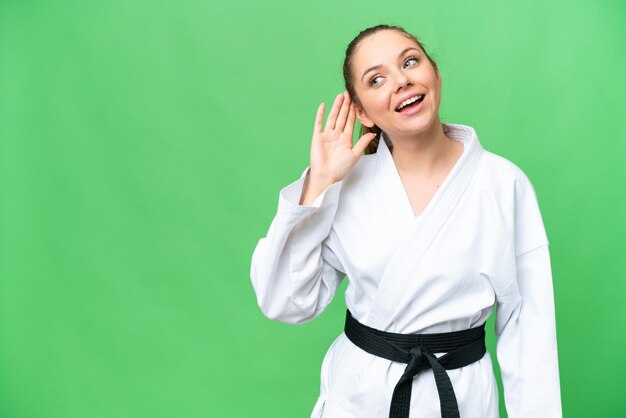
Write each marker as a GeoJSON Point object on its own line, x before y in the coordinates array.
{"type": "Point", "coordinates": [432, 231]}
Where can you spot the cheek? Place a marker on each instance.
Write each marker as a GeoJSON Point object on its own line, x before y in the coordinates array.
{"type": "Point", "coordinates": [378, 100]}
{"type": "Point", "coordinates": [375, 103]}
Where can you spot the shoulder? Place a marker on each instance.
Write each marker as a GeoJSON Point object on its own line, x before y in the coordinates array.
{"type": "Point", "coordinates": [500, 172]}
{"type": "Point", "coordinates": [501, 180]}
{"type": "Point", "coordinates": [496, 164]}
{"type": "Point", "coordinates": [508, 194]}
{"type": "Point", "coordinates": [512, 187]}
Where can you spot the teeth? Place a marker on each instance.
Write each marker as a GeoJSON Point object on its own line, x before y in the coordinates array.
{"type": "Point", "coordinates": [409, 101]}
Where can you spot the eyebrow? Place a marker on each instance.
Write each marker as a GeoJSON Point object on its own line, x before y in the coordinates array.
{"type": "Point", "coordinates": [376, 67]}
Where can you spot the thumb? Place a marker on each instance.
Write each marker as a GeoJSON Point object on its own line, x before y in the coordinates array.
{"type": "Point", "coordinates": [360, 145]}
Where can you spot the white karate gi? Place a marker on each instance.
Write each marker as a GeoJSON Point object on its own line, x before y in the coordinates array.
{"type": "Point", "coordinates": [480, 241]}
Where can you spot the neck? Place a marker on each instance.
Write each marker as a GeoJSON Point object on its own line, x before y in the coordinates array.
{"type": "Point", "coordinates": [423, 153]}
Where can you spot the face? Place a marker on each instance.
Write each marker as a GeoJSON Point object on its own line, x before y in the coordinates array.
{"type": "Point", "coordinates": [390, 74]}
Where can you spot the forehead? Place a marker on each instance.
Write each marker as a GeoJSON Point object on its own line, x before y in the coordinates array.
{"type": "Point", "coordinates": [382, 46]}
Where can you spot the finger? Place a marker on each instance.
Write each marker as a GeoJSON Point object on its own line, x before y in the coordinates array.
{"type": "Point", "coordinates": [343, 113]}
{"type": "Point", "coordinates": [332, 116]}
{"type": "Point", "coordinates": [317, 128]}
{"type": "Point", "coordinates": [350, 122]}
{"type": "Point", "coordinates": [361, 144]}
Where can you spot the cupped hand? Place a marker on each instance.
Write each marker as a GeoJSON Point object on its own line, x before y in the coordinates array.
{"type": "Point", "coordinates": [332, 153]}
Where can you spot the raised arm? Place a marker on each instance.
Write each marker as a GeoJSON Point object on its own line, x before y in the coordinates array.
{"type": "Point", "coordinates": [295, 271]}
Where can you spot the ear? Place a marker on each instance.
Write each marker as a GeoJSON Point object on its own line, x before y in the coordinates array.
{"type": "Point", "coordinates": [365, 121]}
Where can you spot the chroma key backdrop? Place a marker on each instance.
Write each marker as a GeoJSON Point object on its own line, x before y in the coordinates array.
{"type": "Point", "coordinates": [142, 149]}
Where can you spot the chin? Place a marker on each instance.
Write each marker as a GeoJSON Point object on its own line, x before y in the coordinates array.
{"type": "Point", "coordinates": [416, 128]}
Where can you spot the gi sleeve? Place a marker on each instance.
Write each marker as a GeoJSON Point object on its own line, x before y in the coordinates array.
{"type": "Point", "coordinates": [525, 319]}
{"type": "Point", "coordinates": [294, 271]}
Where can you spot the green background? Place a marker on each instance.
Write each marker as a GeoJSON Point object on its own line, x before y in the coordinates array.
{"type": "Point", "coordinates": [142, 148]}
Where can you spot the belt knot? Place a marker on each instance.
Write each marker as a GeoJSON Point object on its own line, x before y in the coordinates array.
{"type": "Point", "coordinates": [418, 362]}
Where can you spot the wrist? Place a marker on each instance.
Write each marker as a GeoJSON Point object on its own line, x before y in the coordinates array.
{"type": "Point", "coordinates": [314, 186]}
{"type": "Point", "coordinates": [319, 179]}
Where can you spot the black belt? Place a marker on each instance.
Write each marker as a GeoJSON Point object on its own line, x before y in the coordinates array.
{"type": "Point", "coordinates": [462, 348]}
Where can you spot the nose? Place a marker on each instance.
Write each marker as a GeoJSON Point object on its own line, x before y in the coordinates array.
{"type": "Point", "coordinates": [401, 81]}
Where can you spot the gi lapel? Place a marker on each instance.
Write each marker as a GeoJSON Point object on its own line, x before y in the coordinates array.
{"type": "Point", "coordinates": [412, 245]}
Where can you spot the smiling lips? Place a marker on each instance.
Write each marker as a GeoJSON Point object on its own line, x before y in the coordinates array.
{"type": "Point", "coordinates": [411, 102]}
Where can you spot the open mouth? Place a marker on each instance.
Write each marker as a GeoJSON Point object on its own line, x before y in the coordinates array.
{"type": "Point", "coordinates": [411, 103]}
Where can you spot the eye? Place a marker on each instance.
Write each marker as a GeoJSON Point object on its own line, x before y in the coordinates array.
{"type": "Point", "coordinates": [375, 81]}
{"type": "Point", "coordinates": [410, 62]}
